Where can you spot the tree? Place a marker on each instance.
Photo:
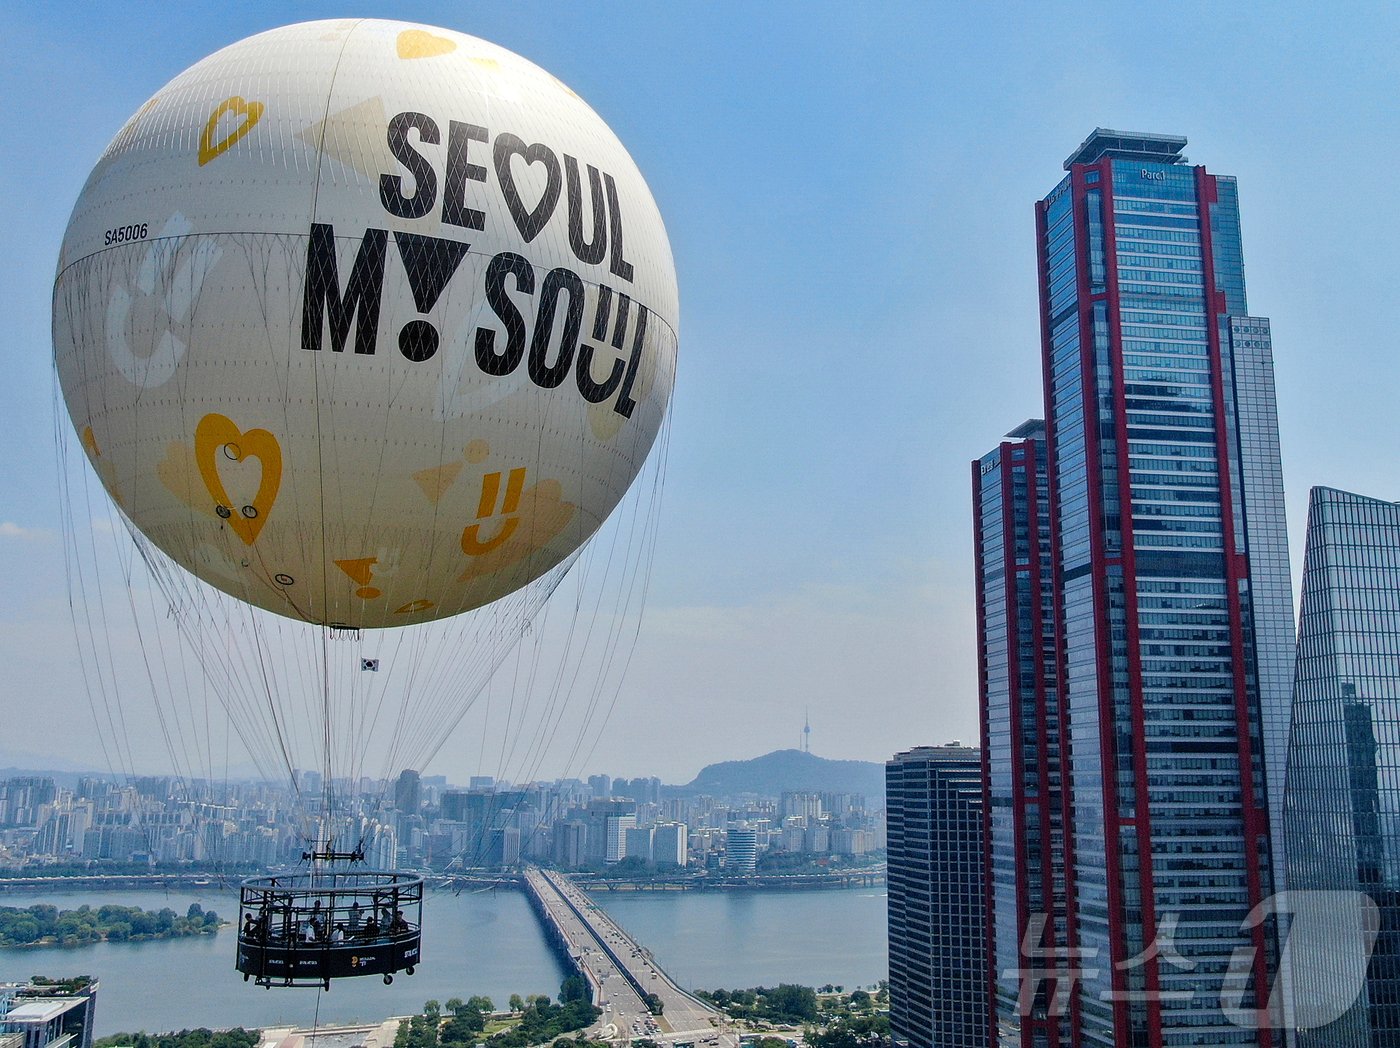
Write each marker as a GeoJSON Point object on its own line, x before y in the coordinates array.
{"type": "Point", "coordinates": [573, 989]}
{"type": "Point", "coordinates": [20, 929]}
{"type": "Point", "coordinates": [463, 1027]}
{"type": "Point", "coordinates": [654, 1004]}
{"type": "Point", "coordinates": [860, 999]}
{"type": "Point", "coordinates": [517, 1004]}
{"type": "Point", "coordinates": [197, 1038]}
{"type": "Point", "coordinates": [788, 1002]}
{"type": "Point", "coordinates": [854, 1031]}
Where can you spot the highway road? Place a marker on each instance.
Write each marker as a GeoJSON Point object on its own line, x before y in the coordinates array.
{"type": "Point", "coordinates": [617, 965]}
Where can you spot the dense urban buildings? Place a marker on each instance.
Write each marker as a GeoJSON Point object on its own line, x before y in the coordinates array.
{"type": "Point", "coordinates": [937, 899]}
{"type": "Point", "coordinates": [1343, 797]}
{"type": "Point", "coordinates": [422, 822]}
{"type": "Point", "coordinates": [1025, 809]}
{"type": "Point", "coordinates": [1171, 604]}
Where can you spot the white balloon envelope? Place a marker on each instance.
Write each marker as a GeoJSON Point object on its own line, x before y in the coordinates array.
{"type": "Point", "coordinates": [366, 323]}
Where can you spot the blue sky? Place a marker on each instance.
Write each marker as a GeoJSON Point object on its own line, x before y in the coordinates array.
{"type": "Point", "coordinates": [848, 189]}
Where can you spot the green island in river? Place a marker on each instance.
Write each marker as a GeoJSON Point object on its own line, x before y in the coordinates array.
{"type": "Point", "coordinates": [44, 925]}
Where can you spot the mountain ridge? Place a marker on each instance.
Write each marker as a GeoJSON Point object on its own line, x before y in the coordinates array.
{"type": "Point", "coordinates": [772, 773]}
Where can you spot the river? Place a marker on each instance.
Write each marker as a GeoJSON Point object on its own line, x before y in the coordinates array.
{"type": "Point", "coordinates": [485, 942]}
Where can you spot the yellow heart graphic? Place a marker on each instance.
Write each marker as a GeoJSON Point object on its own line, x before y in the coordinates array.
{"type": "Point", "coordinates": [414, 43]}
{"type": "Point", "coordinates": [218, 435]}
{"type": "Point", "coordinates": [251, 112]}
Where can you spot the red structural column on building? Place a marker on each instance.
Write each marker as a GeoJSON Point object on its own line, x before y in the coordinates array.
{"type": "Point", "coordinates": [1015, 699]}
{"type": "Point", "coordinates": [1255, 821]}
{"type": "Point", "coordinates": [1108, 748]}
{"type": "Point", "coordinates": [1057, 591]}
{"type": "Point", "coordinates": [985, 728]}
{"type": "Point", "coordinates": [1142, 819]}
{"type": "Point", "coordinates": [1047, 1025]}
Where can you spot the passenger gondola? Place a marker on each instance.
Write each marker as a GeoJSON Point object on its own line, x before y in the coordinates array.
{"type": "Point", "coordinates": [306, 929]}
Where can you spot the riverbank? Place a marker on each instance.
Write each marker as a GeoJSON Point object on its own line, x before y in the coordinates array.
{"type": "Point", "coordinates": [702, 881]}
{"type": "Point", "coordinates": [475, 942]}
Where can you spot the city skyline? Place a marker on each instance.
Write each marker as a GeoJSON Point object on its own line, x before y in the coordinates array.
{"type": "Point", "coordinates": [777, 604]}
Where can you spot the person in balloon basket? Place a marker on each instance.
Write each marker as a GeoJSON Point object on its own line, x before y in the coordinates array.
{"type": "Point", "coordinates": [398, 926]}
{"type": "Point", "coordinates": [315, 927]}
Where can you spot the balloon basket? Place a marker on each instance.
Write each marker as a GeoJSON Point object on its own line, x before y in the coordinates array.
{"type": "Point", "coordinates": [307, 929]}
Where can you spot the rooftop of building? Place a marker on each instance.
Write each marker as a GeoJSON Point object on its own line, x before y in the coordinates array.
{"type": "Point", "coordinates": [1324, 493]}
{"type": "Point", "coordinates": [42, 1009]}
{"type": "Point", "coordinates": [1032, 427]}
{"type": "Point", "coordinates": [949, 751]}
{"type": "Point", "coordinates": [1128, 145]}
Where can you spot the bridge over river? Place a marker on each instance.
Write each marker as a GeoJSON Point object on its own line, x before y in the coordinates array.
{"type": "Point", "coordinates": [621, 971]}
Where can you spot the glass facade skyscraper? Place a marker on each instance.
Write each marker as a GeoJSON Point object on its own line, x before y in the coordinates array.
{"type": "Point", "coordinates": [1170, 591]}
{"type": "Point", "coordinates": [1018, 677]}
{"type": "Point", "coordinates": [936, 898]}
{"type": "Point", "coordinates": [1343, 789]}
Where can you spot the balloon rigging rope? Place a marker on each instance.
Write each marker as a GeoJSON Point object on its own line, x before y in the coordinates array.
{"type": "Point", "coordinates": [456, 659]}
{"type": "Point", "coordinates": [76, 588]}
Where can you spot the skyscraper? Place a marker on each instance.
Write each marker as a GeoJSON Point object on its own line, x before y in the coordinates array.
{"type": "Point", "coordinates": [1025, 812]}
{"type": "Point", "coordinates": [937, 899]}
{"type": "Point", "coordinates": [1170, 589]}
{"type": "Point", "coordinates": [1343, 798]}
{"type": "Point", "coordinates": [408, 792]}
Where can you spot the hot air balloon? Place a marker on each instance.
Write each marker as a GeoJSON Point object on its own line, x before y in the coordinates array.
{"type": "Point", "coordinates": [365, 325]}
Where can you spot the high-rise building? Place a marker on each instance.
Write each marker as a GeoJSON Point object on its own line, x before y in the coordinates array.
{"type": "Point", "coordinates": [1171, 589]}
{"type": "Point", "coordinates": [806, 805]}
{"type": "Point", "coordinates": [408, 792]}
{"type": "Point", "coordinates": [741, 849]}
{"type": "Point", "coordinates": [937, 898]}
{"type": "Point", "coordinates": [502, 847]}
{"type": "Point", "coordinates": [571, 844]}
{"type": "Point", "coordinates": [1025, 813]}
{"type": "Point", "coordinates": [615, 829]}
{"type": "Point", "coordinates": [669, 844]}
{"type": "Point", "coordinates": [1343, 798]}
